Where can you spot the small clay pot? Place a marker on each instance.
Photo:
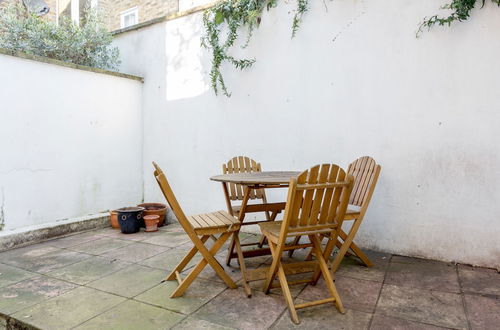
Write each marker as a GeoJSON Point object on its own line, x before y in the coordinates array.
{"type": "Point", "coordinates": [130, 219]}
{"type": "Point", "coordinates": [151, 222]}
{"type": "Point", "coordinates": [113, 219]}
{"type": "Point", "coordinates": [155, 209]}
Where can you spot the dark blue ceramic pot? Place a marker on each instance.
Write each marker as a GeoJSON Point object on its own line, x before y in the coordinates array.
{"type": "Point", "coordinates": [130, 219]}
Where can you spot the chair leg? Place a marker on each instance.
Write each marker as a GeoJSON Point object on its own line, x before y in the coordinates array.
{"type": "Point", "coordinates": [357, 251]}
{"type": "Point", "coordinates": [287, 294]}
{"type": "Point", "coordinates": [295, 242]}
{"type": "Point", "coordinates": [326, 253]}
{"type": "Point", "coordinates": [273, 269]}
{"type": "Point", "coordinates": [241, 217]}
{"type": "Point", "coordinates": [326, 272]}
{"type": "Point", "coordinates": [263, 239]}
{"type": "Point", "coordinates": [180, 267]}
{"type": "Point", "coordinates": [243, 269]}
{"type": "Point", "coordinates": [208, 257]}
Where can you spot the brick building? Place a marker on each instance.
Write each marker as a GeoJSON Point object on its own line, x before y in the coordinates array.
{"type": "Point", "coordinates": [118, 13]}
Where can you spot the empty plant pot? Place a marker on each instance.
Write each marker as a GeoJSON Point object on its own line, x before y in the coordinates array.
{"type": "Point", "coordinates": [155, 209]}
{"type": "Point", "coordinates": [113, 219]}
{"type": "Point", "coordinates": [151, 222]}
{"type": "Point", "coordinates": [130, 219]}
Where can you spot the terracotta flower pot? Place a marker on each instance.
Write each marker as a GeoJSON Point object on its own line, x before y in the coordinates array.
{"type": "Point", "coordinates": [113, 219]}
{"type": "Point", "coordinates": [151, 222]}
{"type": "Point", "coordinates": [155, 209]}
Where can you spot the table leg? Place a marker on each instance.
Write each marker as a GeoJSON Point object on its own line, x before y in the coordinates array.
{"type": "Point", "coordinates": [228, 200]}
{"type": "Point", "coordinates": [241, 216]}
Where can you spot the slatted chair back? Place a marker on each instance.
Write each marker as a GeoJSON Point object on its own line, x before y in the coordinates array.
{"type": "Point", "coordinates": [172, 201]}
{"type": "Point", "coordinates": [317, 201]}
{"type": "Point", "coordinates": [366, 172]}
{"type": "Point", "coordinates": [242, 164]}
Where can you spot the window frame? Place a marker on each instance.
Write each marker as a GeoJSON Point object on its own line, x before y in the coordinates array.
{"type": "Point", "coordinates": [123, 14]}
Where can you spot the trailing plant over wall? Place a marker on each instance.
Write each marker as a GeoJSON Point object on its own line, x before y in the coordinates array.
{"type": "Point", "coordinates": [460, 12]}
{"type": "Point", "coordinates": [86, 44]}
{"type": "Point", "coordinates": [233, 15]}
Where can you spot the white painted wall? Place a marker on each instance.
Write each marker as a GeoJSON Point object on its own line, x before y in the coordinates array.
{"type": "Point", "coordinates": [355, 81]}
{"type": "Point", "coordinates": [188, 4]}
{"type": "Point", "coordinates": [70, 143]}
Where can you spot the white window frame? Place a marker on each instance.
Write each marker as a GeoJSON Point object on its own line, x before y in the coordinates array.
{"type": "Point", "coordinates": [134, 10]}
{"type": "Point", "coordinates": [75, 11]}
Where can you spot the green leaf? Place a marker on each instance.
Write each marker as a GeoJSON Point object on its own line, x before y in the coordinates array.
{"type": "Point", "coordinates": [219, 18]}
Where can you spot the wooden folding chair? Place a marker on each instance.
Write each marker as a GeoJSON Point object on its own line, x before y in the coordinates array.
{"type": "Point", "coordinates": [316, 205]}
{"type": "Point", "coordinates": [236, 192]}
{"type": "Point", "coordinates": [199, 228]}
{"type": "Point", "coordinates": [365, 172]}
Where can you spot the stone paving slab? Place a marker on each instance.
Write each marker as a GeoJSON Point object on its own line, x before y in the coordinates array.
{"type": "Point", "coordinates": [30, 292]}
{"type": "Point", "coordinates": [427, 275]}
{"type": "Point", "coordinates": [479, 280]}
{"type": "Point", "coordinates": [199, 293]}
{"type": "Point", "coordinates": [191, 323]}
{"type": "Point", "coordinates": [10, 275]}
{"type": "Point", "coordinates": [129, 281]}
{"type": "Point", "coordinates": [116, 233]}
{"type": "Point", "coordinates": [135, 252]}
{"type": "Point", "coordinates": [169, 259]}
{"type": "Point", "coordinates": [169, 239]}
{"type": "Point", "coordinates": [355, 294]}
{"type": "Point", "coordinates": [72, 240]}
{"type": "Point", "coordinates": [324, 317]}
{"type": "Point", "coordinates": [233, 308]}
{"type": "Point", "coordinates": [69, 310]}
{"type": "Point", "coordinates": [41, 260]}
{"type": "Point", "coordinates": [425, 306]}
{"type": "Point", "coordinates": [88, 270]}
{"type": "Point", "coordinates": [100, 245]}
{"type": "Point", "coordinates": [483, 312]}
{"type": "Point", "coordinates": [381, 322]}
{"type": "Point", "coordinates": [132, 315]}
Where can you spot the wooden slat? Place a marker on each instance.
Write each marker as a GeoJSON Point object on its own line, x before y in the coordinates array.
{"type": "Point", "coordinates": [359, 168]}
{"type": "Point", "coordinates": [194, 223]}
{"type": "Point", "coordinates": [305, 208]}
{"type": "Point", "coordinates": [290, 269]}
{"type": "Point", "coordinates": [318, 198]}
{"type": "Point", "coordinates": [296, 203]}
{"type": "Point", "coordinates": [367, 178]}
{"type": "Point", "coordinates": [211, 222]}
{"type": "Point", "coordinates": [201, 221]}
{"type": "Point", "coordinates": [314, 303]}
{"type": "Point", "coordinates": [327, 199]}
{"type": "Point", "coordinates": [225, 219]}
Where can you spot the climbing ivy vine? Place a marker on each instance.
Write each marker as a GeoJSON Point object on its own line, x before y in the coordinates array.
{"type": "Point", "coordinates": [235, 16]}
{"type": "Point", "coordinates": [460, 11]}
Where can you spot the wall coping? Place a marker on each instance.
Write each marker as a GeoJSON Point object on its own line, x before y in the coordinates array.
{"type": "Point", "coordinates": [48, 60]}
{"type": "Point", "coordinates": [167, 18]}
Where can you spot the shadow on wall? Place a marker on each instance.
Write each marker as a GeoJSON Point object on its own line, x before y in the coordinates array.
{"type": "Point", "coordinates": [187, 69]}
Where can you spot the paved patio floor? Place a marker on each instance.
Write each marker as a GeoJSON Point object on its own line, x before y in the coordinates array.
{"type": "Point", "coordinates": [107, 280]}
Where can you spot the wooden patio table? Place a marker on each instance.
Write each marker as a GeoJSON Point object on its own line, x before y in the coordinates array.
{"type": "Point", "coordinates": [251, 181]}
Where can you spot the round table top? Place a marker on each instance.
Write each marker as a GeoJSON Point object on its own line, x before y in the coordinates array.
{"type": "Point", "coordinates": [262, 178]}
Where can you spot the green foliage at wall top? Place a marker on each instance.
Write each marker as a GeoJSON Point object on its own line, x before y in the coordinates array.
{"type": "Point", "coordinates": [460, 11]}
{"type": "Point", "coordinates": [86, 44]}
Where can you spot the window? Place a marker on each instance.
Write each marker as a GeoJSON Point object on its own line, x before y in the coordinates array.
{"type": "Point", "coordinates": [129, 17]}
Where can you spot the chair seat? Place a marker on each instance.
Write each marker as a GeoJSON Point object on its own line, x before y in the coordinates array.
{"type": "Point", "coordinates": [271, 228]}
{"type": "Point", "coordinates": [213, 223]}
